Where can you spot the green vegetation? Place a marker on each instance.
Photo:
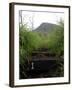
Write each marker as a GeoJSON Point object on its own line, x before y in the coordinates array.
{"type": "Point", "coordinates": [29, 41]}
{"type": "Point", "coordinates": [56, 39]}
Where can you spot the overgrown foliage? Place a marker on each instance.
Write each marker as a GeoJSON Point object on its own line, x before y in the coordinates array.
{"type": "Point", "coordinates": [56, 39]}
{"type": "Point", "coordinates": [29, 41]}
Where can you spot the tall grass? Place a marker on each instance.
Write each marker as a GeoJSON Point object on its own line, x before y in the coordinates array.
{"type": "Point", "coordinates": [30, 41]}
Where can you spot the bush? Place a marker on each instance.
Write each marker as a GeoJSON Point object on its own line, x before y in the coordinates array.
{"type": "Point", "coordinates": [29, 41]}
{"type": "Point", "coordinates": [56, 39]}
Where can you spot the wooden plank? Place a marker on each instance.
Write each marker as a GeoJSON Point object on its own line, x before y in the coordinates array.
{"type": "Point", "coordinates": [39, 59]}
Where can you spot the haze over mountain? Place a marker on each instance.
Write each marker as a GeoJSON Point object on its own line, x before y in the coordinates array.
{"type": "Point", "coordinates": [45, 27]}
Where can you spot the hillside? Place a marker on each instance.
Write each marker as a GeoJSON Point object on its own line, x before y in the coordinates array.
{"type": "Point", "coordinates": [45, 27]}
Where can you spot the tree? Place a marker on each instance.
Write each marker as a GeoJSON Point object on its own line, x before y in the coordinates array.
{"type": "Point", "coordinates": [28, 41]}
{"type": "Point", "coordinates": [56, 39]}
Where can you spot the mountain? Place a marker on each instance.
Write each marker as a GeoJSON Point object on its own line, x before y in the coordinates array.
{"type": "Point", "coordinates": [45, 27]}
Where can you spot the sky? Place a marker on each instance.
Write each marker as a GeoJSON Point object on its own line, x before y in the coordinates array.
{"type": "Point", "coordinates": [34, 19]}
